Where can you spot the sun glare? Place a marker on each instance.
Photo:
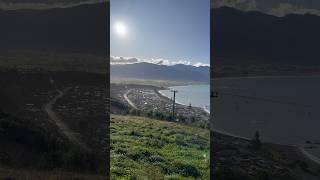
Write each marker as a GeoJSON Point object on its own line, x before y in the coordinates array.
{"type": "Point", "coordinates": [120, 29]}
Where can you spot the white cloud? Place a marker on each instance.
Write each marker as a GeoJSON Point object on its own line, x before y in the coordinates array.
{"type": "Point", "coordinates": [131, 60]}
{"type": "Point", "coordinates": [122, 60]}
{"type": "Point", "coordinates": [200, 64]}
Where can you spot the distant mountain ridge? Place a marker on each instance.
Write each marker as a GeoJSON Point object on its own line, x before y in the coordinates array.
{"type": "Point", "coordinates": [150, 71]}
{"type": "Point", "coordinates": [254, 37]}
{"type": "Point", "coordinates": [43, 4]}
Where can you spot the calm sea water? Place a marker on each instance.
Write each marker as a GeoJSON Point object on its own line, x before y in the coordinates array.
{"type": "Point", "coordinates": [284, 110]}
{"type": "Point", "coordinates": [196, 95]}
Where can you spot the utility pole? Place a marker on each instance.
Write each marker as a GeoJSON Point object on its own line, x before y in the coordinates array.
{"type": "Point", "coordinates": [173, 104]}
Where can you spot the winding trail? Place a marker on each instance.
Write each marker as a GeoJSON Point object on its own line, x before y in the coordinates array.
{"type": "Point", "coordinates": [309, 155]}
{"type": "Point", "coordinates": [65, 130]}
{"type": "Point", "coordinates": [125, 95]}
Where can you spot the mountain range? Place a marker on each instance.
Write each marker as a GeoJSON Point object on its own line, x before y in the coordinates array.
{"type": "Point", "coordinates": [150, 71]}
{"type": "Point", "coordinates": [273, 7]}
{"type": "Point", "coordinates": [253, 37]}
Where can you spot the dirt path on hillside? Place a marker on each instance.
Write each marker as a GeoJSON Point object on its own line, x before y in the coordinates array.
{"type": "Point", "coordinates": [65, 130]}
{"type": "Point", "coordinates": [125, 95]}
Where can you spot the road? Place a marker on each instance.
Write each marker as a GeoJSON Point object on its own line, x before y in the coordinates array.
{"type": "Point", "coordinates": [309, 155]}
{"type": "Point", "coordinates": [64, 129]}
{"type": "Point", "coordinates": [128, 100]}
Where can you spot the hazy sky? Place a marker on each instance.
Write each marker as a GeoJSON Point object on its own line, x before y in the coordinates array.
{"type": "Point", "coordinates": [161, 29]}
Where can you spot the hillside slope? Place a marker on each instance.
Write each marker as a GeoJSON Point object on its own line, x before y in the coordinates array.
{"type": "Point", "coordinates": [144, 148]}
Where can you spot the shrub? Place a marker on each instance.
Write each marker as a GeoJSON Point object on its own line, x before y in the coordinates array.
{"type": "Point", "coordinates": [187, 170]}
{"type": "Point", "coordinates": [139, 154]}
{"type": "Point", "coordinates": [155, 159]}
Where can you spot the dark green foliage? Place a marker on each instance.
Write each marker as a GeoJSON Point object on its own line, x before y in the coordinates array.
{"type": "Point", "coordinates": [139, 154]}
{"type": "Point", "coordinates": [156, 159]}
{"type": "Point", "coordinates": [187, 170]}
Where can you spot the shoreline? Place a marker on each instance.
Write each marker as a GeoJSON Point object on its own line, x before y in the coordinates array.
{"type": "Point", "coordinates": [301, 148]}
{"type": "Point", "coordinates": [229, 134]}
{"type": "Point", "coordinates": [309, 155]}
{"type": "Point", "coordinates": [177, 102]}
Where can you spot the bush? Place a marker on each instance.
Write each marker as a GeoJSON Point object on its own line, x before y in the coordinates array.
{"type": "Point", "coordinates": [155, 159]}
{"type": "Point", "coordinates": [186, 170]}
{"type": "Point", "coordinates": [139, 154]}
{"type": "Point", "coordinates": [180, 140]}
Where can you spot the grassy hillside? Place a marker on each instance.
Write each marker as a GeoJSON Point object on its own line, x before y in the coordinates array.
{"type": "Point", "coordinates": [143, 148]}
{"type": "Point", "coordinates": [31, 141]}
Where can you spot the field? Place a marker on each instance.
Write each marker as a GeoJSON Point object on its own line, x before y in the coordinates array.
{"type": "Point", "coordinates": [143, 148]}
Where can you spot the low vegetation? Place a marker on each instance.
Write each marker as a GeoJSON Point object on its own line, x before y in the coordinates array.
{"type": "Point", "coordinates": [144, 148]}
{"type": "Point", "coordinates": [25, 144]}
{"type": "Point", "coordinates": [31, 145]}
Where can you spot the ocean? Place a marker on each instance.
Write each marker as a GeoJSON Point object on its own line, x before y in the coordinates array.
{"type": "Point", "coordinates": [196, 95]}
{"type": "Point", "coordinates": [284, 110]}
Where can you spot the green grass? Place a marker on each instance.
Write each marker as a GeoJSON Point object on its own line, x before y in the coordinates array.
{"type": "Point", "coordinates": [143, 148]}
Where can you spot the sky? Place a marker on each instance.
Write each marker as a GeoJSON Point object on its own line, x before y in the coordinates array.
{"type": "Point", "coordinates": [161, 30]}
{"type": "Point", "coordinates": [273, 7]}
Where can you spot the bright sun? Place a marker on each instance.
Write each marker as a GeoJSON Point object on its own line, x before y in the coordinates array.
{"type": "Point", "coordinates": [120, 29]}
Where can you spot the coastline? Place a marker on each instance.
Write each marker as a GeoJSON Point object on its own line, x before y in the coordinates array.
{"type": "Point", "coordinates": [301, 148]}
{"type": "Point", "coordinates": [180, 103]}
{"type": "Point", "coordinates": [304, 149]}
{"type": "Point", "coordinates": [164, 96]}
{"type": "Point", "coordinates": [309, 155]}
{"type": "Point", "coordinates": [229, 134]}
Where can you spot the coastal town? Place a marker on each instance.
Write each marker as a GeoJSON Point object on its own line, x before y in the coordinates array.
{"type": "Point", "coordinates": [148, 98]}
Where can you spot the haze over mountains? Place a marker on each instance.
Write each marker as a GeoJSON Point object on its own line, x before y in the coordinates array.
{"type": "Point", "coordinates": [178, 72]}
{"type": "Point", "coordinates": [255, 37]}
